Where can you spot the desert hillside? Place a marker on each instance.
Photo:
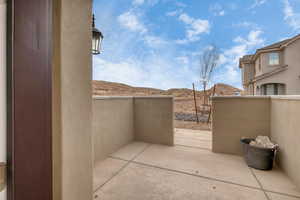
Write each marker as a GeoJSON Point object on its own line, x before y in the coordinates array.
{"type": "Point", "coordinates": [183, 98]}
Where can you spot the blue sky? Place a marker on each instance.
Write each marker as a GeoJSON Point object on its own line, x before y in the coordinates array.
{"type": "Point", "coordinates": [156, 43]}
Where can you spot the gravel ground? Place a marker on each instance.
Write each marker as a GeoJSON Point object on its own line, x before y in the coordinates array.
{"type": "Point", "coordinates": [190, 117]}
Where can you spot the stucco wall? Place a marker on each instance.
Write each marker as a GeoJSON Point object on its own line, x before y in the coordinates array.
{"type": "Point", "coordinates": [248, 72]}
{"type": "Point", "coordinates": [153, 120]}
{"type": "Point", "coordinates": [2, 88]}
{"type": "Point", "coordinates": [275, 116]}
{"type": "Point", "coordinates": [72, 101]}
{"type": "Point", "coordinates": [258, 71]}
{"type": "Point", "coordinates": [285, 126]}
{"type": "Point", "coordinates": [119, 120]}
{"type": "Point", "coordinates": [237, 117]}
{"type": "Point", "coordinates": [292, 59]}
{"type": "Point", "coordinates": [113, 125]}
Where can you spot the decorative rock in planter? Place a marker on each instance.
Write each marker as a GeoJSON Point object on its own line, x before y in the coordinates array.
{"type": "Point", "coordinates": [259, 153]}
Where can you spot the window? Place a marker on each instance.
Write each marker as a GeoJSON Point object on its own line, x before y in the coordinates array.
{"type": "Point", "coordinates": [273, 89]}
{"type": "Point", "coordinates": [274, 59]}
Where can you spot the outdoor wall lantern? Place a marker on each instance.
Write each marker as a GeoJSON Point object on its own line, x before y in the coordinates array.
{"type": "Point", "coordinates": [97, 39]}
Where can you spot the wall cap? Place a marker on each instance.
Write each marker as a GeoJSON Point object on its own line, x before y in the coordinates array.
{"type": "Point", "coordinates": [130, 97]}
{"type": "Point", "coordinates": [286, 97]}
{"type": "Point", "coordinates": [273, 97]}
{"type": "Point", "coordinates": [154, 97]}
{"type": "Point", "coordinates": [111, 97]}
{"type": "Point", "coordinates": [240, 97]}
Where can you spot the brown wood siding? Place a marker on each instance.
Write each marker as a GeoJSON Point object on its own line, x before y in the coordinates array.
{"type": "Point", "coordinates": [29, 100]}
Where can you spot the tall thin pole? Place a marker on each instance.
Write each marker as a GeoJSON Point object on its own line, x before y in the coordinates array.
{"type": "Point", "coordinates": [195, 103]}
{"type": "Point", "coordinates": [210, 107]}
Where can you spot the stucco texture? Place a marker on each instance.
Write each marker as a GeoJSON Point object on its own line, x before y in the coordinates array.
{"type": "Point", "coordinates": [285, 115]}
{"type": "Point", "coordinates": [237, 117]}
{"type": "Point", "coordinates": [275, 116]}
{"type": "Point", "coordinates": [72, 101]}
{"type": "Point", "coordinates": [117, 121]}
{"type": "Point", "coordinates": [113, 125]}
{"type": "Point", "coordinates": [153, 119]}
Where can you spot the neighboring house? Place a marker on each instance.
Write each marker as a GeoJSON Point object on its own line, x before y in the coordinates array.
{"type": "Point", "coordinates": [273, 70]}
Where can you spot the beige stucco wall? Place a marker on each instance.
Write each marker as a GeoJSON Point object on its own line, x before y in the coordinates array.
{"type": "Point", "coordinates": [118, 121]}
{"type": "Point", "coordinates": [281, 77]}
{"type": "Point", "coordinates": [285, 126]}
{"type": "Point", "coordinates": [113, 125]}
{"type": "Point", "coordinates": [237, 117]}
{"type": "Point", "coordinates": [275, 116]}
{"type": "Point", "coordinates": [292, 59]}
{"type": "Point", "coordinates": [248, 72]}
{"type": "Point", "coordinates": [258, 71]}
{"type": "Point", "coordinates": [2, 89]}
{"type": "Point", "coordinates": [72, 101]}
{"type": "Point", "coordinates": [153, 119]}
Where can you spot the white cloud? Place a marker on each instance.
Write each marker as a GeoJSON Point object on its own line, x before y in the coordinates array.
{"type": "Point", "coordinates": [131, 21]}
{"type": "Point", "coordinates": [253, 39]}
{"type": "Point", "coordinates": [246, 24]}
{"type": "Point", "coordinates": [258, 3]}
{"type": "Point", "coordinates": [142, 2]}
{"type": "Point", "coordinates": [155, 41]}
{"type": "Point", "coordinates": [137, 59]}
{"type": "Point", "coordinates": [183, 59]}
{"type": "Point", "coordinates": [290, 16]}
{"type": "Point", "coordinates": [156, 72]}
{"type": "Point", "coordinates": [230, 57]}
{"type": "Point", "coordinates": [194, 28]}
{"type": "Point", "coordinates": [138, 2]}
{"type": "Point", "coordinates": [125, 71]}
{"type": "Point", "coordinates": [180, 4]}
{"type": "Point", "coordinates": [222, 13]}
{"type": "Point", "coordinates": [217, 9]}
{"type": "Point", "coordinates": [173, 13]}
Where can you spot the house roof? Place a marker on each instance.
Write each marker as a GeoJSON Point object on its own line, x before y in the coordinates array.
{"type": "Point", "coordinates": [245, 59]}
{"type": "Point", "coordinates": [278, 45]}
{"type": "Point", "coordinates": [275, 46]}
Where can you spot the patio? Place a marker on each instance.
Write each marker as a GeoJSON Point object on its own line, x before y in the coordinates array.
{"type": "Point", "coordinates": [187, 170]}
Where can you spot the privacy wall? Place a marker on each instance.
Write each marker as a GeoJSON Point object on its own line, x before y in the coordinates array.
{"type": "Point", "coordinates": [276, 117]}
{"type": "Point", "coordinates": [285, 130]}
{"type": "Point", "coordinates": [113, 125]}
{"type": "Point", "coordinates": [118, 121]}
{"type": "Point", "coordinates": [237, 117]}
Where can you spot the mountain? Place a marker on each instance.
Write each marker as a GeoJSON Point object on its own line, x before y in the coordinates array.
{"type": "Point", "coordinates": [104, 88]}
{"type": "Point", "coordinates": [183, 97]}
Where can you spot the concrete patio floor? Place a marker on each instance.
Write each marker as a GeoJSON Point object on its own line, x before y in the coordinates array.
{"type": "Point", "coordinates": [193, 138]}
{"type": "Point", "coordinates": [186, 171]}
